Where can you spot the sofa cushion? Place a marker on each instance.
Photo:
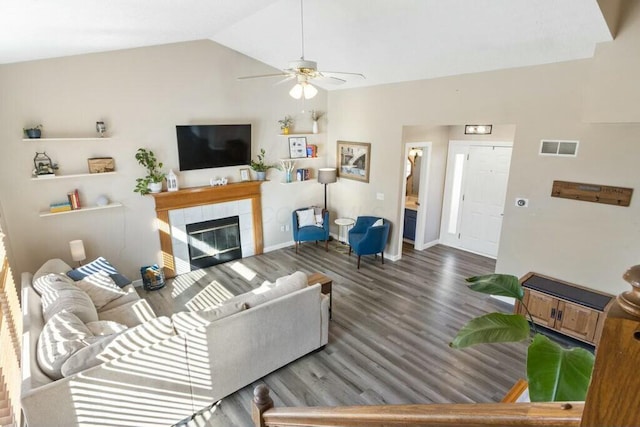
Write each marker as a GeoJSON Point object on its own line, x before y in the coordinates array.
{"type": "Point", "coordinates": [62, 336]}
{"type": "Point", "coordinates": [130, 295]}
{"type": "Point", "coordinates": [75, 301]}
{"type": "Point", "coordinates": [114, 346]}
{"type": "Point", "coordinates": [130, 314]}
{"type": "Point", "coordinates": [270, 291]}
{"type": "Point", "coordinates": [105, 327]}
{"type": "Point", "coordinates": [101, 288]}
{"type": "Point", "coordinates": [99, 264]}
{"type": "Point", "coordinates": [52, 266]}
{"type": "Point", "coordinates": [52, 282]}
{"type": "Point", "coordinates": [186, 321]}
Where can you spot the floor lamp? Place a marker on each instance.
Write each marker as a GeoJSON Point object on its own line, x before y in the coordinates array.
{"type": "Point", "coordinates": [327, 176]}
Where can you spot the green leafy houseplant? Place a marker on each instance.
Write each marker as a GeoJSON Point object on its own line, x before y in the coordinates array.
{"type": "Point", "coordinates": [554, 373]}
{"type": "Point", "coordinates": [260, 165]}
{"type": "Point", "coordinates": [148, 160]}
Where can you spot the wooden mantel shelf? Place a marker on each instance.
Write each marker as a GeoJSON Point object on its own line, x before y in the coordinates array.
{"type": "Point", "coordinates": [205, 195]}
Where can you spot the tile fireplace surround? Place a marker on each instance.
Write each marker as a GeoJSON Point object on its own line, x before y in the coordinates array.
{"type": "Point", "coordinates": [176, 209]}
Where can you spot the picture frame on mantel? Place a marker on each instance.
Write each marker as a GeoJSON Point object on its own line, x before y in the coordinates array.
{"type": "Point", "coordinates": [245, 175]}
{"type": "Point", "coordinates": [354, 160]}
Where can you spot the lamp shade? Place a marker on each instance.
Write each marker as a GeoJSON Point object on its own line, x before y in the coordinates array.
{"type": "Point", "coordinates": [327, 175]}
{"type": "Point", "coordinates": [77, 250]}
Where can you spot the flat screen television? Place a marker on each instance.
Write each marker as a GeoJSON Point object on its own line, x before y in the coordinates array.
{"type": "Point", "coordinates": [213, 146]}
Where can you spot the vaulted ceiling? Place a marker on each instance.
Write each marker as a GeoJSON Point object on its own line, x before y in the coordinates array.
{"type": "Point", "coordinates": [386, 40]}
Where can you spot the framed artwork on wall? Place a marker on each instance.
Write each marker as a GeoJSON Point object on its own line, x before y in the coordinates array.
{"type": "Point", "coordinates": [354, 160]}
{"type": "Point", "coordinates": [297, 147]}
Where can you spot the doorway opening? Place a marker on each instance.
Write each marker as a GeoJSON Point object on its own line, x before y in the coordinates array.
{"type": "Point", "coordinates": [416, 164]}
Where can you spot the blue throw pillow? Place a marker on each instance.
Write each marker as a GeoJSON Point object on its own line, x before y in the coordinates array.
{"type": "Point", "coordinates": [99, 264]}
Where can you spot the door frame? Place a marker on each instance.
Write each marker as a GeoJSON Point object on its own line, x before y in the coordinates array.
{"type": "Point", "coordinates": [455, 147]}
{"type": "Point", "coordinates": [425, 169]}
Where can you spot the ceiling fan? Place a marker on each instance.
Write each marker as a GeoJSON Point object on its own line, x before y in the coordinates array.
{"type": "Point", "coordinates": [303, 70]}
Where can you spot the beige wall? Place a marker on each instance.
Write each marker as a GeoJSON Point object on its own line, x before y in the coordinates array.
{"type": "Point", "coordinates": [141, 94]}
{"type": "Point", "coordinates": [586, 243]}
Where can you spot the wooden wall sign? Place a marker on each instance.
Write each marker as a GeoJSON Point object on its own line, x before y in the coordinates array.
{"type": "Point", "coordinates": [618, 196]}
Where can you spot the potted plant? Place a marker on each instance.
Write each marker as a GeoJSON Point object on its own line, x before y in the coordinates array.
{"type": "Point", "coordinates": [554, 373]}
{"type": "Point", "coordinates": [260, 167]}
{"type": "Point", "coordinates": [33, 132]}
{"type": "Point", "coordinates": [152, 183]}
{"type": "Point", "coordinates": [285, 124]}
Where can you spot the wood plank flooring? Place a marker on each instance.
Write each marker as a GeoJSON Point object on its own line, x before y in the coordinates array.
{"type": "Point", "coordinates": [388, 340]}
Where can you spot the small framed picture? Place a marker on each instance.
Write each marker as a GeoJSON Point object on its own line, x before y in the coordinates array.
{"type": "Point", "coordinates": [298, 147]}
{"type": "Point", "coordinates": [244, 174]}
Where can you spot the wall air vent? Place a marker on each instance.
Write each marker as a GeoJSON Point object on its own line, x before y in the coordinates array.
{"type": "Point", "coordinates": [551, 147]}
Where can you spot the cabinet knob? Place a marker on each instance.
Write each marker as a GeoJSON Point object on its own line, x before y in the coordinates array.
{"type": "Point", "coordinates": [559, 315]}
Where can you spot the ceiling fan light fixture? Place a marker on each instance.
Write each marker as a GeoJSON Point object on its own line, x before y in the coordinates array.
{"type": "Point", "coordinates": [303, 89]}
{"type": "Point", "coordinates": [296, 91]}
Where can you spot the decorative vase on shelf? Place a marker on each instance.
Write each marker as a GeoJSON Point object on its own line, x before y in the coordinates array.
{"type": "Point", "coordinates": [315, 126]}
{"type": "Point", "coordinates": [289, 176]}
{"type": "Point", "coordinates": [285, 131]}
{"type": "Point", "coordinates": [262, 176]}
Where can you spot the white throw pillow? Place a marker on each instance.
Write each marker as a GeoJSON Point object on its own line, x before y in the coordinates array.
{"type": "Point", "coordinates": [52, 282]}
{"type": "Point", "coordinates": [74, 301]}
{"type": "Point", "coordinates": [62, 336]}
{"type": "Point", "coordinates": [101, 288]}
{"type": "Point", "coordinates": [319, 216]}
{"type": "Point", "coordinates": [283, 286]}
{"type": "Point", "coordinates": [105, 327]}
{"type": "Point", "coordinates": [306, 218]}
{"type": "Point", "coordinates": [378, 223]}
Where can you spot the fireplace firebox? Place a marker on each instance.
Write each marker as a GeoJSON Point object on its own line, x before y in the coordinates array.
{"type": "Point", "coordinates": [214, 242]}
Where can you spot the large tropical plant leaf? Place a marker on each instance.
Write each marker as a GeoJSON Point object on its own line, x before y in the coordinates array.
{"type": "Point", "coordinates": [557, 374]}
{"type": "Point", "coordinates": [490, 328]}
{"type": "Point", "coordinates": [504, 285]}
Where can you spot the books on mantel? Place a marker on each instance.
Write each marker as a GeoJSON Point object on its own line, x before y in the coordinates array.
{"type": "Point", "coordinates": [74, 199]}
{"type": "Point", "coordinates": [303, 174]}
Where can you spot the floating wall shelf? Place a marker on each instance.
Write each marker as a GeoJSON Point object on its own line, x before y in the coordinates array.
{"type": "Point", "coordinates": [76, 175]}
{"type": "Point", "coordinates": [97, 138]}
{"type": "Point", "coordinates": [87, 209]}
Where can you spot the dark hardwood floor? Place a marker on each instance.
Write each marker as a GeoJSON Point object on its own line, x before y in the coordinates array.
{"type": "Point", "coordinates": [388, 340]}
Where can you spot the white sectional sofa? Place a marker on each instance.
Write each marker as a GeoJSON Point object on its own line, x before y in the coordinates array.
{"type": "Point", "coordinates": [159, 370]}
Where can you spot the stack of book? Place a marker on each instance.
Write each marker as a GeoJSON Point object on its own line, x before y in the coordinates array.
{"type": "Point", "coordinates": [74, 199]}
{"type": "Point", "coordinates": [60, 207]}
{"type": "Point", "coordinates": [302, 174]}
{"type": "Point", "coordinates": [312, 150]}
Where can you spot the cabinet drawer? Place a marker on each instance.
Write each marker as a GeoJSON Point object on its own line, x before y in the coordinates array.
{"type": "Point", "coordinates": [543, 308]}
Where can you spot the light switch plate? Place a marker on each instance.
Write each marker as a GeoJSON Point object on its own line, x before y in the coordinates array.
{"type": "Point", "coordinates": [380, 196]}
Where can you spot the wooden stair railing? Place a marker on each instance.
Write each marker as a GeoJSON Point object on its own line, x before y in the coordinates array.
{"type": "Point", "coordinates": [613, 398]}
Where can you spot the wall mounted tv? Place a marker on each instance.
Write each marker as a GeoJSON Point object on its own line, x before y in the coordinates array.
{"type": "Point", "coordinates": [213, 146]}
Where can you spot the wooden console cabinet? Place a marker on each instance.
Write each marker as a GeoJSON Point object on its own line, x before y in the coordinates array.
{"type": "Point", "coordinates": [566, 308]}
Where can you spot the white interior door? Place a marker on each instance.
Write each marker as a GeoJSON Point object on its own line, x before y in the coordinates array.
{"type": "Point", "coordinates": [475, 190]}
{"type": "Point", "coordinates": [485, 188]}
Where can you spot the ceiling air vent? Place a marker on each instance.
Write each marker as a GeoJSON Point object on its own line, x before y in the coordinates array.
{"type": "Point", "coordinates": [550, 147]}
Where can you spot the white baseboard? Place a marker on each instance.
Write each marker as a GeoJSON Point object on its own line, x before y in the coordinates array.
{"type": "Point", "coordinates": [278, 246]}
{"type": "Point", "coordinates": [429, 244]}
{"type": "Point", "coordinates": [393, 258]}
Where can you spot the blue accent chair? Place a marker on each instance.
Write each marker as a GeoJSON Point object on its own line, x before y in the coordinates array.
{"type": "Point", "coordinates": [311, 232]}
{"type": "Point", "coordinates": [364, 239]}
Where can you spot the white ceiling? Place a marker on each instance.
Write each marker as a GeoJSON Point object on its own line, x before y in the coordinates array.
{"type": "Point", "coordinates": [387, 40]}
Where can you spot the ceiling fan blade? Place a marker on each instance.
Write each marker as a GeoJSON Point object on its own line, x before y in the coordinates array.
{"type": "Point", "coordinates": [286, 79]}
{"type": "Point", "coordinates": [330, 79]}
{"type": "Point", "coordinates": [262, 76]}
{"type": "Point", "coordinates": [344, 72]}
